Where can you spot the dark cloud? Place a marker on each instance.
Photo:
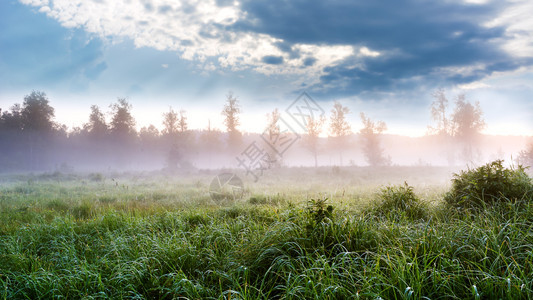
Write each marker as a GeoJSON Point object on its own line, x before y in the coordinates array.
{"type": "Point", "coordinates": [309, 61]}
{"type": "Point", "coordinates": [287, 48]}
{"type": "Point", "coordinates": [272, 60]}
{"type": "Point", "coordinates": [415, 38]}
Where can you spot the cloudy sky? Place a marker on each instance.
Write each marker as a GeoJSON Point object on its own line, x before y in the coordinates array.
{"type": "Point", "coordinates": [384, 58]}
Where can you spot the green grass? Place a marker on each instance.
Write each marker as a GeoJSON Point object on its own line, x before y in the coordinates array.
{"type": "Point", "coordinates": [153, 236]}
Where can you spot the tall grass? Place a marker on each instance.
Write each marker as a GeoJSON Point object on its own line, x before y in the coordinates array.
{"type": "Point", "coordinates": [170, 241]}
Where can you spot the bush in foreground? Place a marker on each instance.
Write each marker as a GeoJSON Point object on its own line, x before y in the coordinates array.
{"type": "Point", "coordinates": [488, 185]}
{"type": "Point", "coordinates": [395, 201]}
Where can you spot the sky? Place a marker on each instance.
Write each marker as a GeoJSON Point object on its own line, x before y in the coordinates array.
{"type": "Point", "coordinates": [384, 58]}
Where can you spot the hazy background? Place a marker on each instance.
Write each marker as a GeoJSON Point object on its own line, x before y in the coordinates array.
{"type": "Point", "coordinates": [385, 59]}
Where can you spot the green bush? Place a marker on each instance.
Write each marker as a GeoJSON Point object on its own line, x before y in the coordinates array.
{"type": "Point", "coordinates": [489, 184]}
{"type": "Point", "coordinates": [397, 200]}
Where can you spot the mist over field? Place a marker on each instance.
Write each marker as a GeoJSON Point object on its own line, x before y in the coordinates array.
{"type": "Point", "coordinates": [266, 149]}
{"type": "Point", "coordinates": [32, 141]}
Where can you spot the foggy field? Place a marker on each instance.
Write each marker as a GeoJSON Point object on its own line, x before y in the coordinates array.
{"type": "Point", "coordinates": [160, 235]}
{"type": "Point", "coordinates": [266, 149]}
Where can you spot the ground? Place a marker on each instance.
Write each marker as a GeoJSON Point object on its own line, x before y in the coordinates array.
{"type": "Point", "coordinates": [160, 235]}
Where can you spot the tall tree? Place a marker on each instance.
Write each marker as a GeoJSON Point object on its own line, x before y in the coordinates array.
{"type": "Point", "coordinates": [370, 134]}
{"type": "Point", "coordinates": [314, 128]}
{"type": "Point", "coordinates": [122, 122]}
{"type": "Point", "coordinates": [12, 120]}
{"type": "Point", "coordinates": [37, 114]}
{"type": "Point", "coordinates": [339, 127]}
{"type": "Point", "coordinates": [231, 113]}
{"type": "Point", "coordinates": [273, 132]}
{"type": "Point", "coordinates": [97, 126]}
{"type": "Point", "coordinates": [467, 123]}
{"type": "Point", "coordinates": [182, 122]}
{"type": "Point", "coordinates": [467, 119]}
{"type": "Point", "coordinates": [170, 122]}
{"type": "Point", "coordinates": [439, 114]}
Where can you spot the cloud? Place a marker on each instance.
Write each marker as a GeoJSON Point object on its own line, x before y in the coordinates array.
{"type": "Point", "coordinates": [272, 60]}
{"type": "Point", "coordinates": [349, 46]}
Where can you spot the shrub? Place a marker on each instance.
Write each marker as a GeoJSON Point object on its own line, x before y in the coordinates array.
{"type": "Point", "coordinates": [319, 210]}
{"type": "Point", "coordinates": [397, 200]}
{"type": "Point", "coordinates": [489, 184]}
{"type": "Point", "coordinates": [96, 177]}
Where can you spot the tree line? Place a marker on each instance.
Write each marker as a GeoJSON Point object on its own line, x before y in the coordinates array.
{"type": "Point", "coordinates": [30, 139]}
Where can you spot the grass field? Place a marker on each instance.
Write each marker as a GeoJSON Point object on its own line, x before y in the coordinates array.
{"type": "Point", "coordinates": [154, 235]}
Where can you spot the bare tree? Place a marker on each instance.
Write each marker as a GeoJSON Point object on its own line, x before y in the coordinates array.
{"type": "Point", "coordinates": [370, 134]}
{"type": "Point", "coordinates": [443, 129]}
{"type": "Point", "coordinates": [231, 113]}
{"type": "Point", "coordinates": [439, 114]}
{"type": "Point", "coordinates": [339, 128]}
{"type": "Point", "coordinates": [314, 128]}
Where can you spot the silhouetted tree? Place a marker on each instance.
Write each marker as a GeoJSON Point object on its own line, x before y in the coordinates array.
{"type": "Point", "coordinates": [370, 134]}
{"type": "Point", "coordinates": [13, 146]}
{"type": "Point", "coordinates": [339, 128]}
{"type": "Point", "coordinates": [97, 126]}
{"type": "Point", "coordinates": [231, 113]}
{"type": "Point", "coordinates": [176, 137]}
{"type": "Point", "coordinates": [314, 128]}
{"type": "Point", "coordinates": [12, 120]}
{"type": "Point", "coordinates": [170, 122]}
{"type": "Point", "coordinates": [443, 129]}
{"type": "Point", "coordinates": [38, 126]}
{"type": "Point", "coordinates": [439, 114]}
{"type": "Point", "coordinates": [467, 123]}
{"type": "Point", "coordinates": [122, 132]}
{"type": "Point", "coordinates": [467, 119]}
{"type": "Point", "coordinates": [122, 122]}
{"type": "Point", "coordinates": [37, 114]}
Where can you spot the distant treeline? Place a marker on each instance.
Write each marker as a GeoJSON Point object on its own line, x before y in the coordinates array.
{"type": "Point", "coordinates": [31, 140]}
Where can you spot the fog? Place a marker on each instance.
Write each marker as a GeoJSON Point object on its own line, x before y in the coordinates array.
{"type": "Point", "coordinates": [31, 141]}
{"type": "Point", "coordinates": [78, 153]}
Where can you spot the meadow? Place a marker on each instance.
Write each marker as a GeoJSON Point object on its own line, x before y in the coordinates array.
{"type": "Point", "coordinates": [298, 233]}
